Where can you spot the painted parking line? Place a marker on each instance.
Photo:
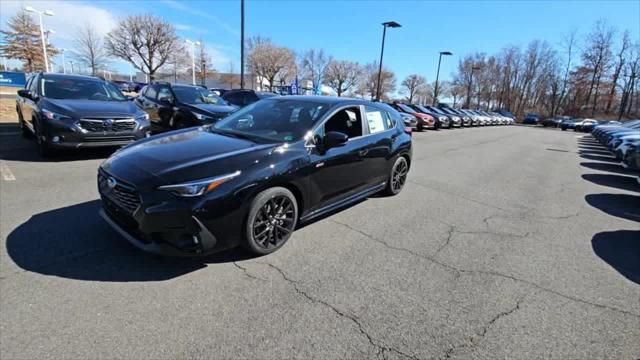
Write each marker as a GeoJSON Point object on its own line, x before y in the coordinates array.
{"type": "Point", "coordinates": [13, 133]}
{"type": "Point", "coordinates": [6, 173]}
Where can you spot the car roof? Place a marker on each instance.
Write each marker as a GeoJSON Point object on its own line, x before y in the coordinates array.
{"type": "Point", "coordinates": [332, 100]}
{"type": "Point", "coordinates": [70, 76]}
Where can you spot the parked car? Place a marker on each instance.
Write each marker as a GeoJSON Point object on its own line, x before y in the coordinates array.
{"type": "Point", "coordinates": [245, 97]}
{"type": "Point", "coordinates": [424, 120]}
{"type": "Point", "coordinates": [123, 85]}
{"type": "Point", "coordinates": [137, 86]}
{"type": "Point", "coordinates": [631, 159]}
{"type": "Point", "coordinates": [219, 91]}
{"type": "Point", "coordinates": [454, 121]}
{"type": "Point", "coordinates": [441, 120]}
{"type": "Point", "coordinates": [585, 125]}
{"type": "Point", "coordinates": [506, 113]}
{"type": "Point", "coordinates": [569, 124]}
{"type": "Point", "coordinates": [465, 120]}
{"type": "Point", "coordinates": [531, 119]}
{"type": "Point", "coordinates": [251, 178]}
{"type": "Point", "coordinates": [180, 106]}
{"type": "Point", "coordinates": [75, 111]}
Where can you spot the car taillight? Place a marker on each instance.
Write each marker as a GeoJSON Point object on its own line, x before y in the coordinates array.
{"type": "Point", "coordinates": [408, 130]}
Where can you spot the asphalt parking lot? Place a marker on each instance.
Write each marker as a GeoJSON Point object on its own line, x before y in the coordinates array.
{"type": "Point", "coordinates": [507, 242]}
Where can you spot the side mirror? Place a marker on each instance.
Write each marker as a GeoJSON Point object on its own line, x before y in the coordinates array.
{"type": "Point", "coordinates": [25, 93]}
{"type": "Point", "coordinates": [334, 139]}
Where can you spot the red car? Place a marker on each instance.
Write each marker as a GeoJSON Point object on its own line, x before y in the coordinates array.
{"type": "Point", "coordinates": [424, 120]}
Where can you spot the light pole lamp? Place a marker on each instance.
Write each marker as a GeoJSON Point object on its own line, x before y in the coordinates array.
{"type": "Point", "coordinates": [193, 59]}
{"type": "Point", "coordinates": [435, 91]}
{"type": "Point", "coordinates": [44, 45]}
{"type": "Point", "coordinates": [391, 24]}
{"type": "Point", "coordinates": [473, 68]}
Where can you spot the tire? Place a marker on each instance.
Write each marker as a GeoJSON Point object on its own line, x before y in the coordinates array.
{"type": "Point", "coordinates": [24, 131]}
{"type": "Point", "coordinates": [43, 148]}
{"type": "Point", "coordinates": [420, 127]}
{"type": "Point", "coordinates": [564, 129]}
{"type": "Point", "coordinates": [396, 180]}
{"type": "Point", "coordinates": [271, 212]}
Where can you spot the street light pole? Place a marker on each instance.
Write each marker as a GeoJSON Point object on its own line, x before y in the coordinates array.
{"type": "Point", "coordinates": [44, 45]}
{"type": "Point", "coordinates": [193, 60]}
{"type": "Point", "coordinates": [64, 65]}
{"type": "Point", "coordinates": [385, 25]}
{"type": "Point", "coordinates": [469, 87]}
{"type": "Point", "coordinates": [435, 91]}
{"type": "Point", "coordinates": [241, 44]}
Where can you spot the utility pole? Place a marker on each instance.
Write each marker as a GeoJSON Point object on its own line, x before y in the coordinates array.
{"type": "Point", "coordinates": [241, 44]}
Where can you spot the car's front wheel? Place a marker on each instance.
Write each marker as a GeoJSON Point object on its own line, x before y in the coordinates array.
{"type": "Point", "coordinates": [273, 216]}
{"type": "Point", "coordinates": [43, 148]}
{"type": "Point", "coordinates": [398, 176]}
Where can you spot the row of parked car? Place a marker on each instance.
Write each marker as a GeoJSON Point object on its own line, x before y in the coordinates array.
{"type": "Point", "coordinates": [423, 117]}
{"type": "Point", "coordinates": [623, 140]}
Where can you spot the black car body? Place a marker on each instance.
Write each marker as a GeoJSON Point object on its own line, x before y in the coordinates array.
{"type": "Point", "coordinates": [242, 98]}
{"type": "Point", "coordinates": [74, 111]}
{"type": "Point", "coordinates": [200, 190]}
{"type": "Point", "coordinates": [181, 106]}
{"type": "Point", "coordinates": [531, 119]}
{"type": "Point", "coordinates": [454, 121]}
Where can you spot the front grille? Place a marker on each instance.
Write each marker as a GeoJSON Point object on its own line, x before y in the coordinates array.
{"type": "Point", "coordinates": [122, 194]}
{"type": "Point", "coordinates": [99, 139]}
{"type": "Point", "coordinates": [107, 125]}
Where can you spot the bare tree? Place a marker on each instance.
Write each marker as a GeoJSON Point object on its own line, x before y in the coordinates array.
{"type": "Point", "coordinates": [203, 63]}
{"type": "Point", "coordinates": [89, 48]}
{"type": "Point", "coordinates": [314, 65]}
{"type": "Point", "coordinates": [597, 55]}
{"type": "Point", "coordinates": [230, 77]}
{"type": "Point", "coordinates": [178, 62]}
{"type": "Point", "coordinates": [569, 44]}
{"type": "Point", "coordinates": [412, 85]}
{"type": "Point", "coordinates": [22, 41]}
{"type": "Point", "coordinates": [387, 81]}
{"type": "Point", "coordinates": [145, 40]}
{"type": "Point", "coordinates": [270, 62]}
{"type": "Point", "coordinates": [342, 75]}
{"type": "Point", "coordinates": [621, 58]}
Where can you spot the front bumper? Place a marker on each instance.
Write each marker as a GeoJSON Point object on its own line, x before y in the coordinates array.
{"type": "Point", "coordinates": [161, 223]}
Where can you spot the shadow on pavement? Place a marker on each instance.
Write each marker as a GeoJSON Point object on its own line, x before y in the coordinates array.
{"type": "Point", "coordinates": [603, 153]}
{"type": "Point", "coordinates": [621, 250]}
{"type": "Point", "coordinates": [620, 205]}
{"type": "Point", "coordinates": [74, 242]}
{"type": "Point", "coordinates": [614, 168]}
{"type": "Point", "coordinates": [628, 183]}
{"type": "Point", "coordinates": [610, 159]}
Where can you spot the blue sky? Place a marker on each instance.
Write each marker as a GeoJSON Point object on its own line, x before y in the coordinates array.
{"type": "Point", "coordinates": [351, 30]}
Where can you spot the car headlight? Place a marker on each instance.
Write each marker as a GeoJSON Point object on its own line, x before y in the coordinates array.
{"type": "Point", "coordinates": [198, 187]}
{"type": "Point", "coordinates": [407, 117]}
{"type": "Point", "coordinates": [201, 116]}
{"type": "Point", "coordinates": [50, 115]}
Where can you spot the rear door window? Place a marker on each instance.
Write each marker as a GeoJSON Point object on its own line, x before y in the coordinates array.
{"type": "Point", "coordinates": [377, 120]}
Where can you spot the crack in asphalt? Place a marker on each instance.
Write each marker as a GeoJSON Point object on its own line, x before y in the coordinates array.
{"type": "Point", "coordinates": [458, 195]}
{"type": "Point", "coordinates": [246, 272]}
{"type": "Point", "coordinates": [473, 341]}
{"type": "Point", "coordinates": [488, 272]}
{"type": "Point", "coordinates": [377, 344]}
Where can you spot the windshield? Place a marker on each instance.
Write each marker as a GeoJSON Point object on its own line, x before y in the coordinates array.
{"type": "Point", "coordinates": [405, 108]}
{"type": "Point", "coordinates": [422, 108]}
{"type": "Point", "coordinates": [273, 120]}
{"type": "Point", "coordinates": [197, 95]}
{"type": "Point", "coordinates": [80, 89]}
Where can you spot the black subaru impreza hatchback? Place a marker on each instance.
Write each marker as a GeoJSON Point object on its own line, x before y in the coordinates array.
{"type": "Point", "coordinates": [251, 178]}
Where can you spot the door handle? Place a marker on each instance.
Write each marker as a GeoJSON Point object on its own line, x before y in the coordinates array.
{"type": "Point", "coordinates": [363, 152]}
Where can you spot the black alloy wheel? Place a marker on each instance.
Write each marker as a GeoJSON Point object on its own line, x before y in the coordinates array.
{"type": "Point", "coordinates": [272, 218]}
{"type": "Point", "coordinates": [23, 128]}
{"type": "Point", "coordinates": [398, 176]}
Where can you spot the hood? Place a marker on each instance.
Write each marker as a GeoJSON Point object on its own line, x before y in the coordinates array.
{"type": "Point", "coordinates": [422, 116]}
{"type": "Point", "coordinates": [214, 109]}
{"type": "Point", "coordinates": [184, 155]}
{"type": "Point", "coordinates": [92, 108]}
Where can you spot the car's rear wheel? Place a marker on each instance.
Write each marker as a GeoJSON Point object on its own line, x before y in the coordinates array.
{"type": "Point", "coordinates": [420, 126]}
{"type": "Point", "coordinates": [398, 176]}
{"type": "Point", "coordinates": [273, 216]}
